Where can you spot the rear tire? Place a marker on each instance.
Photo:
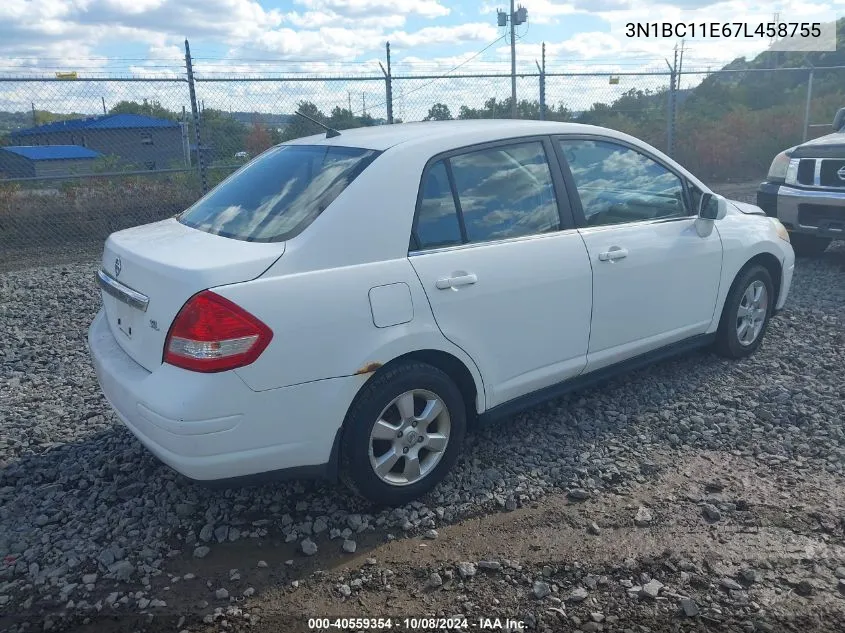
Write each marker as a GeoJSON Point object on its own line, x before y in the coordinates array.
{"type": "Point", "coordinates": [808, 245]}
{"type": "Point", "coordinates": [402, 434]}
{"type": "Point", "coordinates": [745, 316]}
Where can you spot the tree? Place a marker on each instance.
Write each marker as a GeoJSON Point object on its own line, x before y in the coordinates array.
{"type": "Point", "coordinates": [258, 139]}
{"type": "Point", "coordinates": [439, 112]}
{"type": "Point", "coordinates": [221, 133]}
{"type": "Point", "coordinates": [146, 108]}
{"type": "Point", "coordinates": [298, 126]}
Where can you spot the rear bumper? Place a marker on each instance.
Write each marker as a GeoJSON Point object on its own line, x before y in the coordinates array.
{"type": "Point", "coordinates": [213, 426]}
{"type": "Point", "coordinates": [811, 211]}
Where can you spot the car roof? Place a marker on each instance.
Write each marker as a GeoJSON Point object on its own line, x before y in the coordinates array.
{"type": "Point", "coordinates": [435, 137]}
{"type": "Point", "coordinates": [452, 133]}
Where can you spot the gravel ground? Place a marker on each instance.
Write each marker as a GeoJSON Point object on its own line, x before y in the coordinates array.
{"type": "Point", "coordinates": [91, 525]}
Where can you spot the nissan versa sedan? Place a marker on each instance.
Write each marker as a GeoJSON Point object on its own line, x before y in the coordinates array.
{"type": "Point", "coordinates": [344, 304]}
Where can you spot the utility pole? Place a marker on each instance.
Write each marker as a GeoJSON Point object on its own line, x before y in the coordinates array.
{"type": "Point", "coordinates": [364, 103]}
{"type": "Point", "coordinates": [349, 99]}
{"type": "Point", "coordinates": [515, 18]}
{"type": "Point", "coordinates": [34, 117]}
{"type": "Point", "coordinates": [104, 105]}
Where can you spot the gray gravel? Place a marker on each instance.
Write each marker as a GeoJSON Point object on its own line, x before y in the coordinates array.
{"type": "Point", "coordinates": [84, 509]}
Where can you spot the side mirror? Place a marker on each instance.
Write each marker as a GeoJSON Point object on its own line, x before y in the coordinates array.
{"type": "Point", "coordinates": [712, 207]}
{"type": "Point", "coordinates": [839, 120]}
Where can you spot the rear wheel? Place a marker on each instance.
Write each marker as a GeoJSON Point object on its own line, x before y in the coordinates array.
{"type": "Point", "coordinates": [745, 316]}
{"type": "Point", "coordinates": [402, 434]}
{"type": "Point", "coordinates": [808, 245]}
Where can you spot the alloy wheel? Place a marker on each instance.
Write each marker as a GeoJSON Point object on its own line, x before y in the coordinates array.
{"type": "Point", "coordinates": [409, 437]}
{"type": "Point", "coordinates": [751, 314]}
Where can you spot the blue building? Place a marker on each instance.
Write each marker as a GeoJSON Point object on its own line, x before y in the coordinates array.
{"type": "Point", "coordinates": [133, 140]}
{"type": "Point", "coordinates": [31, 161]}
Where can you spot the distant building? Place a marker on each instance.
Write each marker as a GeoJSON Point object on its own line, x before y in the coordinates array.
{"type": "Point", "coordinates": [135, 140]}
{"type": "Point", "coordinates": [31, 161]}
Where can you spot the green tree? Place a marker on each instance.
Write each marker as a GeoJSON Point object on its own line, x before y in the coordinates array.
{"type": "Point", "coordinates": [146, 108]}
{"type": "Point", "coordinates": [439, 112]}
{"type": "Point", "coordinates": [299, 127]}
{"type": "Point", "coordinates": [222, 134]}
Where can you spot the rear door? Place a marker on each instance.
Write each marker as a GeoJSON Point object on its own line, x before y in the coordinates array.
{"type": "Point", "coordinates": [655, 279]}
{"type": "Point", "coordinates": [507, 276]}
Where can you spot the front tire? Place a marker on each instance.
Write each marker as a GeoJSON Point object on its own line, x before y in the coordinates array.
{"type": "Point", "coordinates": [402, 434]}
{"type": "Point", "coordinates": [745, 316]}
{"type": "Point", "coordinates": [808, 245]}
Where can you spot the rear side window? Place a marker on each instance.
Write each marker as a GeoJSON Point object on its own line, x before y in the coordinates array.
{"type": "Point", "coordinates": [506, 192]}
{"type": "Point", "coordinates": [499, 192]}
{"type": "Point", "coordinates": [279, 194]}
{"type": "Point", "coordinates": [437, 223]}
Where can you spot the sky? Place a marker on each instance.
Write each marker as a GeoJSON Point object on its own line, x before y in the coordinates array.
{"type": "Point", "coordinates": [342, 37]}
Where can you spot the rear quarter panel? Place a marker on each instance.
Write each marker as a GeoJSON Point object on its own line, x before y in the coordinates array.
{"type": "Point", "coordinates": [323, 325]}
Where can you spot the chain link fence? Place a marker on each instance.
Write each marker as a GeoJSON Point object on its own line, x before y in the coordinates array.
{"type": "Point", "coordinates": [778, 108]}
{"type": "Point", "coordinates": [81, 158]}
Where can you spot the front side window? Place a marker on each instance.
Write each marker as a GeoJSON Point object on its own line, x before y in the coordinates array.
{"type": "Point", "coordinates": [618, 185]}
{"type": "Point", "coordinates": [277, 195]}
{"type": "Point", "coordinates": [505, 192]}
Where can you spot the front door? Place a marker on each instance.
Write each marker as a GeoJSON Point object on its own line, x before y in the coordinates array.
{"type": "Point", "coordinates": [508, 281]}
{"type": "Point", "coordinates": [655, 280]}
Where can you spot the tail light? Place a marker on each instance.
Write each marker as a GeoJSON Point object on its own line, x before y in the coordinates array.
{"type": "Point", "coordinates": [212, 334]}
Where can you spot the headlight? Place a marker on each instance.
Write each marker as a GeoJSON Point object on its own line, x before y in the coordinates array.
{"type": "Point", "coordinates": [780, 164]}
{"type": "Point", "coordinates": [780, 228]}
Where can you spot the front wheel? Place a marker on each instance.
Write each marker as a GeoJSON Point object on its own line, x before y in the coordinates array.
{"type": "Point", "coordinates": [402, 434]}
{"type": "Point", "coordinates": [745, 316]}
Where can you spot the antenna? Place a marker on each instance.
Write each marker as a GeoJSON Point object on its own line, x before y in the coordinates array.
{"type": "Point", "coordinates": [330, 131]}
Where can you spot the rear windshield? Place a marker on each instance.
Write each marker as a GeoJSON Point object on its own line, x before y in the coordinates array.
{"type": "Point", "coordinates": [279, 194]}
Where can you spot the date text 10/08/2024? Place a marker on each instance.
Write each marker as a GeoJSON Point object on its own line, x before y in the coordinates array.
{"type": "Point", "coordinates": [415, 624]}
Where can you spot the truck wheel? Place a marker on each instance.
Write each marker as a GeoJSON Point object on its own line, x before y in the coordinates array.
{"type": "Point", "coordinates": [808, 245]}
{"type": "Point", "coordinates": [402, 434]}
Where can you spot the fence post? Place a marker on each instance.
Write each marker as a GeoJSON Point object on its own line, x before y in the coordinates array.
{"type": "Point", "coordinates": [542, 69]}
{"type": "Point", "coordinates": [807, 108]}
{"type": "Point", "coordinates": [670, 115]}
{"type": "Point", "coordinates": [388, 85]}
{"type": "Point", "coordinates": [195, 111]}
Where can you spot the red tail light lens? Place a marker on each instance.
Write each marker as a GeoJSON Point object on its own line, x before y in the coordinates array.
{"type": "Point", "coordinates": [213, 334]}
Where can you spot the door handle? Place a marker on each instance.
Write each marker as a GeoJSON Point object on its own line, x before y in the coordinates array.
{"type": "Point", "coordinates": [612, 254]}
{"type": "Point", "coordinates": [457, 281]}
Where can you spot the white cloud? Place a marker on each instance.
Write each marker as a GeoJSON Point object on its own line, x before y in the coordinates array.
{"type": "Point", "coordinates": [371, 8]}
{"type": "Point", "coordinates": [432, 35]}
{"type": "Point", "coordinates": [317, 19]}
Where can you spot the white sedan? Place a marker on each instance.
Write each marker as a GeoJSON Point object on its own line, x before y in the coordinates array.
{"type": "Point", "coordinates": [344, 304]}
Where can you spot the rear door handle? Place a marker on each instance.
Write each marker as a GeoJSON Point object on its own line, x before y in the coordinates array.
{"type": "Point", "coordinates": [613, 253]}
{"type": "Point", "coordinates": [444, 283]}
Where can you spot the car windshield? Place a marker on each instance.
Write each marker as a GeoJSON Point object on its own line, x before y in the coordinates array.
{"type": "Point", "coordinates": [280, 193]}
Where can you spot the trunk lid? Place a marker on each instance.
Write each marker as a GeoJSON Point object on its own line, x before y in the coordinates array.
{"type": "Point", "coordinates": [168, 262]}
